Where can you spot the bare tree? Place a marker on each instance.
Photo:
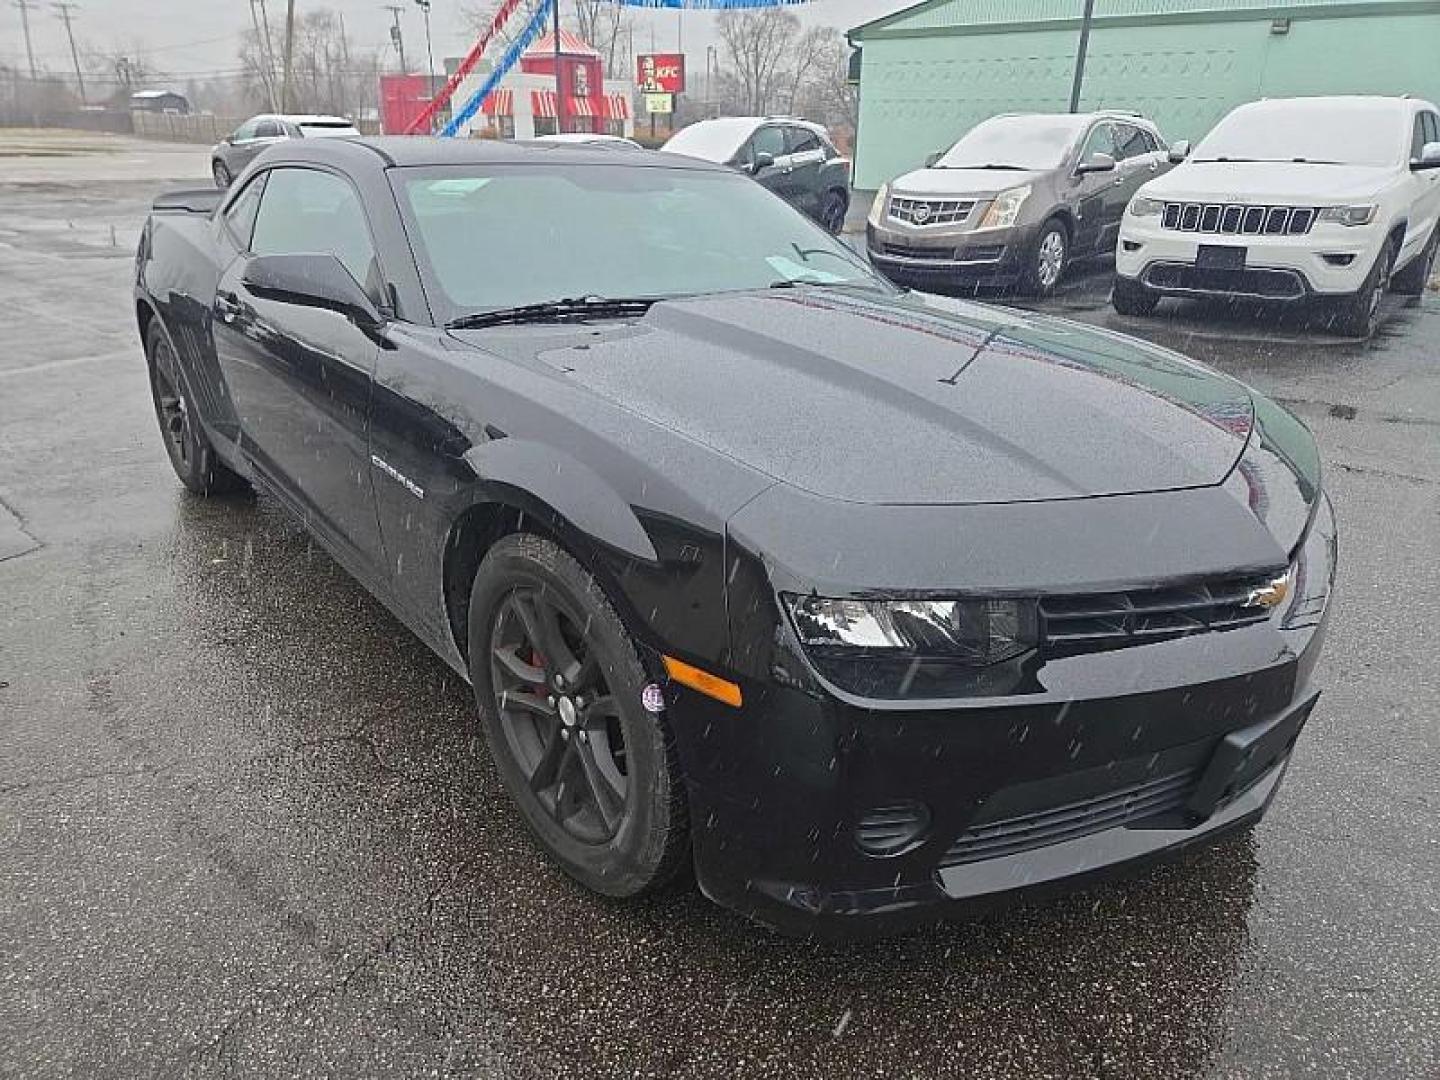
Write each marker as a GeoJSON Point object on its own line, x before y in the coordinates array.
{"type": "Point", "coordinates": [809, 56]}
{"type": "Point", "coordinates": [757, 43]}
{"type": "Point", "coordinates": [828, 95]}
{"type": "Point", "coordinates": [603, 24]}
{"type": "Point", "coordinates": [327, 74]}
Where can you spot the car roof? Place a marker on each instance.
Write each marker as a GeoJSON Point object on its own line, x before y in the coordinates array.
{"type": "Point", "coordinates": [1332, 102]}
{"type": "Point", "coordinates": [302, 118]}
{"type": "Point", "coordinates": [414, 151]}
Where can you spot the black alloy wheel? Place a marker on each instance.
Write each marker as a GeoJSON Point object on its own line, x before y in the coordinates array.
{"type": "Point", "coordinates": [191, 455]}
{"type": "Point", "coordinates": [832, 212]}
{"type": "Point", "coordinates": [559, 687]}
{"type": "Point", "coordinates": [222, 175]}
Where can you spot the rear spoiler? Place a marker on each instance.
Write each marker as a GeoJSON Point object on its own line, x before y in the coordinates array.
{"type": "Point", "coordinates": [193, 201]}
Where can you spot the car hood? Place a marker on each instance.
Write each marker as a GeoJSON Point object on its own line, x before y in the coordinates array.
{"type": "Point", "coordinates": [1269, 181]}
{"type": "Point", "coordinates": [977, 182]}
{"type": "Point", "coordinates": [862, 397]}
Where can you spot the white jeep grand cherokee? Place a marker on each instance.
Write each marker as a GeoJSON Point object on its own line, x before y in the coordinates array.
{"type": "Point", "coordinates": [1335, 198]}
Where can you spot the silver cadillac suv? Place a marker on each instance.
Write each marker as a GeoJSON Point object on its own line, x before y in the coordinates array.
{"type": "Point", "coordinates": [1015, 200]}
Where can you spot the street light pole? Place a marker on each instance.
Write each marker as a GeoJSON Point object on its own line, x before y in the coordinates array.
{"type": "Point", "coordinates": [424, 6]}
{"type": "Point", "coordinates": [1080, 55]}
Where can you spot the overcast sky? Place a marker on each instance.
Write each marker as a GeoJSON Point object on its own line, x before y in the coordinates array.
{"type": "Point", "coordinates": [195, 38]}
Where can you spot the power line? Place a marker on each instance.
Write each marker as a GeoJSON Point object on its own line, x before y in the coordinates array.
{"type": "Point", "coordinates": [65, 16]}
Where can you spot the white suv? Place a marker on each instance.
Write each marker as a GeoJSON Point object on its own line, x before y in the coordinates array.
{"type": "Point", "coordinates": [1335, 198]}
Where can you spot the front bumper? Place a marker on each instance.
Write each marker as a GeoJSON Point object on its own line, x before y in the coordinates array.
{"type": "Point", "coordinates": [1328, 260]}
{"type": "Point", "coordinates": [986, 256]}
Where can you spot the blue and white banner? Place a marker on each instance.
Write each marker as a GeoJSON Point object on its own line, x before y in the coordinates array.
{"type": "Point", "coordinates": [508, 61]}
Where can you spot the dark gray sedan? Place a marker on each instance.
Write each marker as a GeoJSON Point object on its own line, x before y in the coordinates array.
{"type": "Point", "coordinates": [238, 149]}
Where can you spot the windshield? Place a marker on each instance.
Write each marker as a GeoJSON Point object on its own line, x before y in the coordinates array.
{"type": "Point", "coordinates": [711, 140]}
{"type": "Point", "coordinates": [1023, 142]}
{"type": "Point", "coordinates": [1350, 133]}
{"type": "Point", "coordinates": [498, 236]}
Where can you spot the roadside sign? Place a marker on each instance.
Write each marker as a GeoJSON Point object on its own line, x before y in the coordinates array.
{"type": "Point", "coordinates": [659, 103]}
{"type": "Point", "coordinates": [660, 73]}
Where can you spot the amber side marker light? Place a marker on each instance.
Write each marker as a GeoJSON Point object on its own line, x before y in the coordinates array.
{"type": "Point", "coordinates": [1273, 592]}
{"type": "Point", "coordinates": [709, 685]}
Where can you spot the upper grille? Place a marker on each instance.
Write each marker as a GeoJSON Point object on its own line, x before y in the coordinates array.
{"type": "Point", "coordinates": [1123, 618]}
{"type": "Point", "coordinates": [931, 211]}
{"type": "Point", "coordinates": [1026, 832]}
{"type": "Point", "coordinates": [1238, 220]}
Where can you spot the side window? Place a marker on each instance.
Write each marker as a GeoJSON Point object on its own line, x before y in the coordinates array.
{"type": "Point", "coordinates": [245, 131]}
{"type": "Point", "coordinates": [240, 215]}
{"type": "Point", "coordinates": [1129, 142]}
{"type": "Point", "coordinates": [803, 141]}
{"type": "Point", "coordinates": [1417, 142]}
{"type": "Point", "coordinates": [1099, 141]}
{"type": "Point", "coordinates": [1152, 141]}
{"type": "Point", "coordinates": [770, 140]}
{"type": "Point", "coordinates": [267, 129]}
{"type": "Point", "coordinates": [1432, 127]}
{"type": "Point", "coordinates": [308, 212]}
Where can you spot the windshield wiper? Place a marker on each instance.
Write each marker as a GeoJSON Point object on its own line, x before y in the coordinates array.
{"type": "Point", "coordinates": [575, 307]}
{"type": "Point", "coordinates": [988, 165]}
{"type": "Point", "coordinates": [1222, 159]}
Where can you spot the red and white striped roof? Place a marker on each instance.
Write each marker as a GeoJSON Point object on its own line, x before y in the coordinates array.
{"type": "Point", "coordinates": [570, 45]}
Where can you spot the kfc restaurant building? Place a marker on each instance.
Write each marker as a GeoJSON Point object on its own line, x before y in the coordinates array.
{"type": "Point", "coordinates": [525, 105]}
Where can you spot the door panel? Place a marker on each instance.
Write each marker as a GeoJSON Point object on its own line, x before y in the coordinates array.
{"type": "Point", "coordinates": [1096, 191]}
{"type": "Point", "coordinates": [806, 156]}
{"type": "Point", "coordinates": [300, 376]}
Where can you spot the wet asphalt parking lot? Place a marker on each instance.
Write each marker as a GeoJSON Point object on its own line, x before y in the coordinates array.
{"type": "Point", "coordinates": [246, 827]}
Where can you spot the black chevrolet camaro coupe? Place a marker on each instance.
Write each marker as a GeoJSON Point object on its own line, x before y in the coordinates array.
{"type": "Point", "coordinates": [868, 605]}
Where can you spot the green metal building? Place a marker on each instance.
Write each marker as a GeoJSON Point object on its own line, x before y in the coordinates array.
{"type": "Point", "coordinates": [930, 72]}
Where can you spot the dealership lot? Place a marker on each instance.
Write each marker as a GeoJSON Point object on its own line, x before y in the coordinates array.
{"type": "Point", "coordinates": [249, 827]}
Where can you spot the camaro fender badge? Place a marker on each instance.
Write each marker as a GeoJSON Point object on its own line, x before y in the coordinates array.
{"type": "Point", "coordinates": [653, 698]}
{"type": "Point", "coordinates": [396, 475]}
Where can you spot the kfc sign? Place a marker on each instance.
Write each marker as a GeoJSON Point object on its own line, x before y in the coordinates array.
{"type": "Point", "coordinates": [661, 73]}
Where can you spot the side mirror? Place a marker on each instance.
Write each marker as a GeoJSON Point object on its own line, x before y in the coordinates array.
{"type": "Point", "coordinates": [1095, 163]}
{"type": "Point", "coordinates": [761, 161]}
{"type": "Point", "coordinates": [931, 159]}
{"type": "Point", "coordinates": [312, 281]}
{"type": "Point", "coordinates": [1429, 157]}
{"type": "Point", "coordinates": [1179, 151]}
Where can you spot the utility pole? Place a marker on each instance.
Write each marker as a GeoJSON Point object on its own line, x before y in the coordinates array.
{"type": "Point", "coordinates": [65, 17]}
{"type": "Point", "coordinates": [424, 5]}
{"type": "Point", "coordinates": [1080, 55]}
{"type": "Point", "coordinates": [559, 82]}
{"type": "Point", "coordinates": [269, 56]}
{"type": "Point", "coordinates": [289, 54]}
{"type": "Point", "coordinates": [24, 6]}
{"type": "Point", "coordinates": [397, 36]}
{"type": "Point", "coordinates": [267, 67]}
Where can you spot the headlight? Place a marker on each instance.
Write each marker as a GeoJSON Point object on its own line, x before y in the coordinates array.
{"type": "Point", "coordinates": [877, 208]}
{"type": "Point", "coordinates": [1348, 215]}
{"type": "Point", "coordinates": [975, 632]}
{"type": "Point", "coordinates": [1006, 208]}
{"type": "Point", "coordinates": [1140, 206]}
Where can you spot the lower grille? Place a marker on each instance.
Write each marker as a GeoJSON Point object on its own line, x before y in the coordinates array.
{"type": "Point", "coordinates": [1026, 832]}
{"type": "Point", "coordinates": [1251, 281]}
{"type": "Point", "coordinates": [906, 251]}
{"type": "Point", "coordinates": [1100, 620]}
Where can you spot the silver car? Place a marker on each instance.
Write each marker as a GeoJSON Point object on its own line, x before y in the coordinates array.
{"type": "Point", "coordinates": [1015, 200]}
{"type": "Point", "coordinates": [229, 157]}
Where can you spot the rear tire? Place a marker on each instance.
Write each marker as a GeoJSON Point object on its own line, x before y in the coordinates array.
{"type": "Point", "coordinates": [1414, 278]}
{"type": "Point", "coordinates": [1046, 260]}
{"type": "Point", "coordinates": [1130, 297]}
{"type": "Point", "coordinates": [833, 209]}
{"type": "Point", "coordinates": [223, 179]}
{"type": "Point", "coordinates": [1358, 315]}
{"type": "Point", "coordinates": [188, 447]}
{"type": "Point", "coordinates": [558, 684]}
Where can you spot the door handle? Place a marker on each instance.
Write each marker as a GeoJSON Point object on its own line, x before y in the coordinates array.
{"type": "Point", "coordinates": [227, 306]}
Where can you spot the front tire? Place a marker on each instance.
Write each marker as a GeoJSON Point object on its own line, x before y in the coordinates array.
{"type": "Point", "coordinates": [1358, 315]}
{"type": "Point", "coordinates": [1046, 260]}
{"type": "Point", "coordinates": [832, 212]}
{"type": "Point", "coordinates": [1412, 280]}
{"type": "Point", "coordinates": [191, 455]}
{"type": "Point", "coordinates": [1130, 297]}
{"type": "Point", "coordinates": [558, 684]}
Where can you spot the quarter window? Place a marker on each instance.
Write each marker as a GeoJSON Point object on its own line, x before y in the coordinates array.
{"type": "Point", "coordinates": [240, 215]}
{"type": "Point", "coordinates": [308, 212]}
{"type": "Point", "coordinates": [1432, 127]}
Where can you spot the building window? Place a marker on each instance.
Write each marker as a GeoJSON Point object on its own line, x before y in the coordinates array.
{"type": "Point", "coordinates": [544, 125]}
